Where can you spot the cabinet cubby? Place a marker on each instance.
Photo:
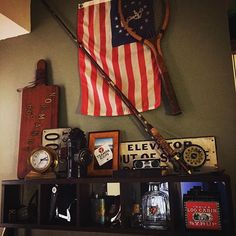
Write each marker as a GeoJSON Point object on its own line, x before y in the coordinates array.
{"type": "Point", "coordinates": [77, 192]}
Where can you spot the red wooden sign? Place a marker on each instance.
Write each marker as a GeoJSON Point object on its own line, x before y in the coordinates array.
{"type": "Point", "coordinates": [39, 111]}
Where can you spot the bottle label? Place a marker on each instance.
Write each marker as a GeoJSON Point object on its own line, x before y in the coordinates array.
{"type": "Point", "coordinates": [202, 215]}
{"type": "Point", "coordinates": [152, 210]}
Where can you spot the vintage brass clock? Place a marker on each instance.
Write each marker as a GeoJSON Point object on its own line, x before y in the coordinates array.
{"type": "Point", "coordinates": [42, 162]}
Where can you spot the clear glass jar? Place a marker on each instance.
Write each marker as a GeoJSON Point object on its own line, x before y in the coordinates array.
{"type": "Point", "coordinates": [155, 207]}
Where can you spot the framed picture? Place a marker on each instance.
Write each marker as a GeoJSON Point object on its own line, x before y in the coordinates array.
{"type": "Point", "coordinates": [104, 146]}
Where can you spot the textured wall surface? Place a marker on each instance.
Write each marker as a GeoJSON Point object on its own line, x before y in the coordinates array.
{"type": "Point", "coordinates": [197, 52]}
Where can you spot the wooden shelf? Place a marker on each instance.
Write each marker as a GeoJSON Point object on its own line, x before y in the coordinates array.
{"type": "Point", "coordinates": [82, 189]}
{"type": "Point", "coordinates": [126, 176]}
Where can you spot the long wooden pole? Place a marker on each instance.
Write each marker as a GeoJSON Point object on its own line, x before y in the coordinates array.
{"type": "Point", "coordinates": [153, 132]}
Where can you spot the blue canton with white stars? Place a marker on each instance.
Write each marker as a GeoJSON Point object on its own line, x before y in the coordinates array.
{"type": "Point", "coordinates": [139, 16]}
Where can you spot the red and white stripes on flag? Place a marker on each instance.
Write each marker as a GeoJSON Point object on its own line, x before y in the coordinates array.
{"type": "Point", "coordinates": [130, 66]}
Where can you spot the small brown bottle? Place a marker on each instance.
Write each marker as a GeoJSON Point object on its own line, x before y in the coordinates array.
{"type": "Point", "coordinates": [136, 217]}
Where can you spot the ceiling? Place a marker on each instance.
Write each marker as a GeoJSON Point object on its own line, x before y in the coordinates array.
{"type": "Point", "coordinates": [14, 18]}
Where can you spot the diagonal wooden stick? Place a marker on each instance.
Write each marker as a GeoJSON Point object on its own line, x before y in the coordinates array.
{"type": "Point", "coordinates": [152, 132]}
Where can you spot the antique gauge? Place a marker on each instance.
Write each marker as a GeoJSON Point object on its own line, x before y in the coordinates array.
{"type": "Point", "coordinates": [42, 162]}
{"type": "Point", "coordinates": [194, 156]}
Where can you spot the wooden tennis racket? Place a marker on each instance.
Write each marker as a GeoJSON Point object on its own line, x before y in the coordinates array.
{"type": "Point", "coordinates": [152, 39]}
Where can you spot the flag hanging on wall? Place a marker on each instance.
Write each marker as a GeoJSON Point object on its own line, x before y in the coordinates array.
{"type": "Point", "coordinates": [128, 63]}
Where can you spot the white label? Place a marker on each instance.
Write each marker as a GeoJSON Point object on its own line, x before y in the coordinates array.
{"type": "Point", "coordinates": [103, 154]}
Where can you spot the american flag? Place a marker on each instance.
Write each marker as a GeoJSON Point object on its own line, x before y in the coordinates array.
{"type": "Point", "coordinates": [128, 63]}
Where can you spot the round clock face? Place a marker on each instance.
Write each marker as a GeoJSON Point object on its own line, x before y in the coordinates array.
{"type": "Point", "coordinates": [41, 159]}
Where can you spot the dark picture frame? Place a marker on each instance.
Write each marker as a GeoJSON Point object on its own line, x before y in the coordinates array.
{"type": "Point", "coordinates": [104, 145]}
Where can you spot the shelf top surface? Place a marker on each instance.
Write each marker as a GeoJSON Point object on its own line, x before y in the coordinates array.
{"type": "Point", "coordinates": [145, 176]}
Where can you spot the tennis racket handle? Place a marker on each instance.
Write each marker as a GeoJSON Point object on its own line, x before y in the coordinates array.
{"type": "Point", "coordinates": [171, 103]}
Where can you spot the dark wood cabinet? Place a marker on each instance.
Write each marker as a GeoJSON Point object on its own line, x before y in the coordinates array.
{"type": "Point", "coordinates": [16, 194]}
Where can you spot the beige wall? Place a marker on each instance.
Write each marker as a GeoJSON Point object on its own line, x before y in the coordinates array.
{"type": "Point", "coordinates": [197, 51]}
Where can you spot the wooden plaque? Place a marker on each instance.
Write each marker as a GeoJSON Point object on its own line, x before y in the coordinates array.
{"type": "Point", "coordinates": [39, 111]}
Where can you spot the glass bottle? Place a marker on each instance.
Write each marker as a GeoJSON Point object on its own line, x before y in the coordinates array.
{"type": "Point", "coordinates": [98, 209]}
{"type": "Point", "coordinates": [155, 207]}
{"type": "Point", "coordinates": [136, 217]}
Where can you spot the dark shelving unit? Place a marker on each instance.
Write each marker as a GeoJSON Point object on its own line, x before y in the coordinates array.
{"type": "Point", "coordinates": [16, 193]}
